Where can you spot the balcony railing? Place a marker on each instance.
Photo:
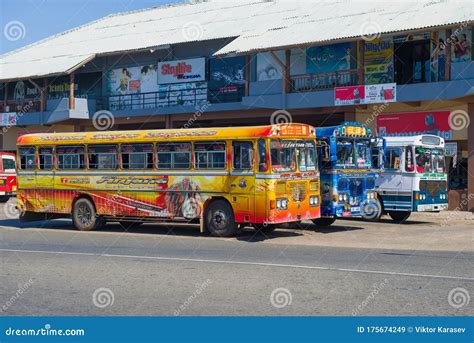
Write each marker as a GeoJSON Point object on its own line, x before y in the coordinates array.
{"type": "Point", "coordinates": [323, 81]}
{"type": "Point", "coordinates": [183, 97]}
{"type": "Point", "coordinates": [17, 106]}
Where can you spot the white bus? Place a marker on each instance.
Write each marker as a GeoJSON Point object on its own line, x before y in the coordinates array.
{"type": "Point", "coordinates": [414, 177]}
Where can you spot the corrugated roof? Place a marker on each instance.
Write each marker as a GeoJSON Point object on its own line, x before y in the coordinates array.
{"type": "Point", "coordinates": [257, 25]}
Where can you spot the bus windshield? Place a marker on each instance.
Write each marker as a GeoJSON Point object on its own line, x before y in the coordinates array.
{"type": "Point", "coordinates": [429, 160]}
{"type": "Point", "coordinates": [353, 153]}
{"type": "Point", "coordinates": [288, 155]}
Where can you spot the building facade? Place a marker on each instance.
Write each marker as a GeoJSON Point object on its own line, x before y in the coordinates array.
{"type": "Point", "coordinates": [399, 83]}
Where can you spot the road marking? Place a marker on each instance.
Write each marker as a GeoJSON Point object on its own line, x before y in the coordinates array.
{"type": "Point", "coordinates": [264, 264]}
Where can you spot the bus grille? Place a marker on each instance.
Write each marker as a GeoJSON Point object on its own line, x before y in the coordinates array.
{"type": "Point", "coordinates": [356, 187]}
{"type": "Point", "coordinates": [433, 187]}
{"type": "Point", "coordinates": [298, 191]}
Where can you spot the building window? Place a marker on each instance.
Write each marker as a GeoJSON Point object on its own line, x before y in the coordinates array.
{"type": "Point", "coordinates": [45, 157]}
{"type": "Point", "coordinates": [102, 156]}
{"type": "Point", "coordinates": [174, 155]}
{"type": "Point", "coordinates": [412, 61]}
{"type": "Point", "coordinates": [209, 155]}
{"type": "Point", "coordinates": [137, 156]}
{"type": "Point", "coordinates": [70, 157]}
{"type": "Point", "coordinates": [27, 158]}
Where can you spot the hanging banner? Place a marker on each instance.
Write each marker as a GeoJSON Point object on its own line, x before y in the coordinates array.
{"type": "Point", "coordinates": [123, 81]}
{"type": "Point", "coordinates": [378, 61]}
{"type": "Point", "coordinates": [328, 58]}
{"type": "Point", "coordinates": [227, 76]}
{"type": "Point", "coordinates": [8, 119]}
{"type": "Point", "coordinates": [368, 94]}
{"type": "Point", "coordinates": [181, 71]}
{"type": "Point", "coordinates": [415, 123]}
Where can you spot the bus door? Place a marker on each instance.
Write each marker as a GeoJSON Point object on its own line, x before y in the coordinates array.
{"type": "Point", "coordinates": [45, 179]}
{"type": "Point", "coordinates": [242, 180]}
{"type": "Point", "coordinates": [26, 179]}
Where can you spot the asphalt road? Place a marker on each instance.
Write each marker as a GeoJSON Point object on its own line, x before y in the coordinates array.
{"type": "Point", "coordinates": [50, 269]}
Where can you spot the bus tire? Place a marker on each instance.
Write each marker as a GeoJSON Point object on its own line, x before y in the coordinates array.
{"type": "Point", "coordinates": [219, 219]}
{"type": "Point", "coordinates": [4, 199]}
{"type": "Point", "coordinates": [84, 216]}
{"type": "Point", "coordinates": [326, 221]}
{"type": "Point", "coordinates": [399, 216]}
{"type": "Point", "coordinates": [372, 212]}
{"type": "Point", "coordinates": [264, 228]}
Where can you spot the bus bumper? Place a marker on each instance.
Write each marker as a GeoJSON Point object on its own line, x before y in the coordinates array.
{"type": "Point", "coordinates": [431, 207]}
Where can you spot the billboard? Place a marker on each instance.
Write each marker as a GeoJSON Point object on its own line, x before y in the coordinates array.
{"type": "Point", "coordinates": [415, 123]}
{"type": "Point", "coordinates": [267, 67]}
{"type": "Point", "coordinates": [378, 61]}
{"type": "Point", "coordinates": [328, 58]}
{"type": "Point", "coordinates": [368, 94]}
{"type": "Point", "coordinates": [181, 71]}
{"type": "Point", "coordinates": [227, 77]}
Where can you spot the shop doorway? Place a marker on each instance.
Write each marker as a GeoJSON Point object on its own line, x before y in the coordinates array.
{"type": "Point", "coordinates": [412, 61]}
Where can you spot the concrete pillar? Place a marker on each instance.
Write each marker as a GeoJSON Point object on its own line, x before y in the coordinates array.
{"type": "Point", "coordinates": [470, 161]}
{"type": "Point", "coordinates": [72, 100]}
{"type": "Point", "coordinates": [168, 122]}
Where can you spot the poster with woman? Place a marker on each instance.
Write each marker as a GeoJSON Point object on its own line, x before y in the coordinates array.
{"type": "Point", "coordinates": [461, 46]}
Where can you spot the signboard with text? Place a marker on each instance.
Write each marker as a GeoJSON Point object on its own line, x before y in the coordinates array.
{"type": "Point", "coordinates": [181, 71]}
{"type": "Point", "coordinates": [368, 94]}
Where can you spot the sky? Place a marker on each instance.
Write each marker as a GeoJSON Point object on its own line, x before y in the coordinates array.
{"type": "Point", "coordinates": [23, 22]}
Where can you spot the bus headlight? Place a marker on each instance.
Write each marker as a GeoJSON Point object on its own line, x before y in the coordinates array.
{"type": "Point", "coordinates": [371, 196]}
{"type": "Point", "coordinates": [313, 200]}
{"type": "Point", "coordinates": [282, 204]}
{"type": "Point", "coordinates": [343, 197]}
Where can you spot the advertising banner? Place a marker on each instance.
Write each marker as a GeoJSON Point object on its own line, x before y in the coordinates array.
{"type": "Point", "coordinates": [181, 71]}
{"type": "Point", "coordinates": [267, 67]}
{"type": "Point", "coordinates": [183, 94]}
{"type": "Point", "coordinates": [415, 123]}
{"type": "Point", "coordinates": [378, 61]}
{"type": "Point", "coordinates": [328, 59]}
{"type": "Point", "coordinates": [123, 81]}
{"type": "Point", "coordinates": [227, 76]}
{"type": "Point", "coordinates": [368, 94]}
{"type": "Point", "coordinates": [8, 119]}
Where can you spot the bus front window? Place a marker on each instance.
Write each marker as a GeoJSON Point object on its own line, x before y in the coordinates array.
{"type": "Point", "coordinates": [363, 154]}
{"type": "Point", "coordinates": [429, 160]}
{"type": "Point", "coordinates": [307, 156]}
{"type": "Point", "coordinates": [345, 154]}
{"type": "Point", "coordinates": [283, 155]}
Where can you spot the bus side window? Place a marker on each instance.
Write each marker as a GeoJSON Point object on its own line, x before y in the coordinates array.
{"type": "Point", "coordinates": [242, 155]}
{"type": "Point", "coordinates": [137, 156]}
{"type": "Point", "coordinates": [210, 155]}
{"type": "Point", "coordinates": [45, 157]}
{"type": "Point", "coordinates": [27, 158]}
{"type": "Point", "coordinates": [174, 155]}
{"type": "Point", "coordinates": [262, 156]}
{"type": "Point", "coordinates": [70, 157]}
{"type": "Point", "coordinates": [392, 160]}
{"type": "Point", "coordinates": [409, 165]}
{"type": "Point", "coordinates": [102, 156]}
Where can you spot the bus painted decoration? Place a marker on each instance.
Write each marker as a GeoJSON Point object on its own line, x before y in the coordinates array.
{"type": "Point", "coordinates": [223, 177]}
{"type": "Point", "coordinates": [415, 123]}
{"type": "Point", "coordinates": [414, 177]}
{"type": "Point", "coordinates": [8, 186]}
{"type": "Point", "coordinates": [347, 172]}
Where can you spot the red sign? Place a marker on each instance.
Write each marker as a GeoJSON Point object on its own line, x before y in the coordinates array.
{"type": "Point", "coordinates": [349, 95]}
{"type": "Point", "coordinates": [414, 123]}
{"type": "Point", "coordinates": [134, 85]}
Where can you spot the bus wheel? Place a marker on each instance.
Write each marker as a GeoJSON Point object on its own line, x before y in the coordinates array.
{"type": "Point", "coordinates": [372, 212]}
{"type": "Point", "coordinates": [399, 216]}
{"type": "Point", "coordinates": [328, 221]}
{"type": "Point", "coordinates": [220, 219]}
{"type": "Point", "coordinates": [84, 216]}
{"type": "Point", "coordinates": [264, 228]}
{"type": "Point", "coordinates": [4, 199]}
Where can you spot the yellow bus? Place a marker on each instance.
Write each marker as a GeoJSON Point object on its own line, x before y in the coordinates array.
{"type": "Point", "coordinates": [225, 178]}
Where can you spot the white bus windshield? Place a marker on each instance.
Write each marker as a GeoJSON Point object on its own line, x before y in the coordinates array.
{"type": "Point", "coordinates": [429, 160]}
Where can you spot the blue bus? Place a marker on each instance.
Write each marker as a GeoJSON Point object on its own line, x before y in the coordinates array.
{"type": "Point", "coordinates": [349, 159]}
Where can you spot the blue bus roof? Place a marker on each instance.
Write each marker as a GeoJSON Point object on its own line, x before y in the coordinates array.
{"type": "Point", "coordinates": [339, 130]}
